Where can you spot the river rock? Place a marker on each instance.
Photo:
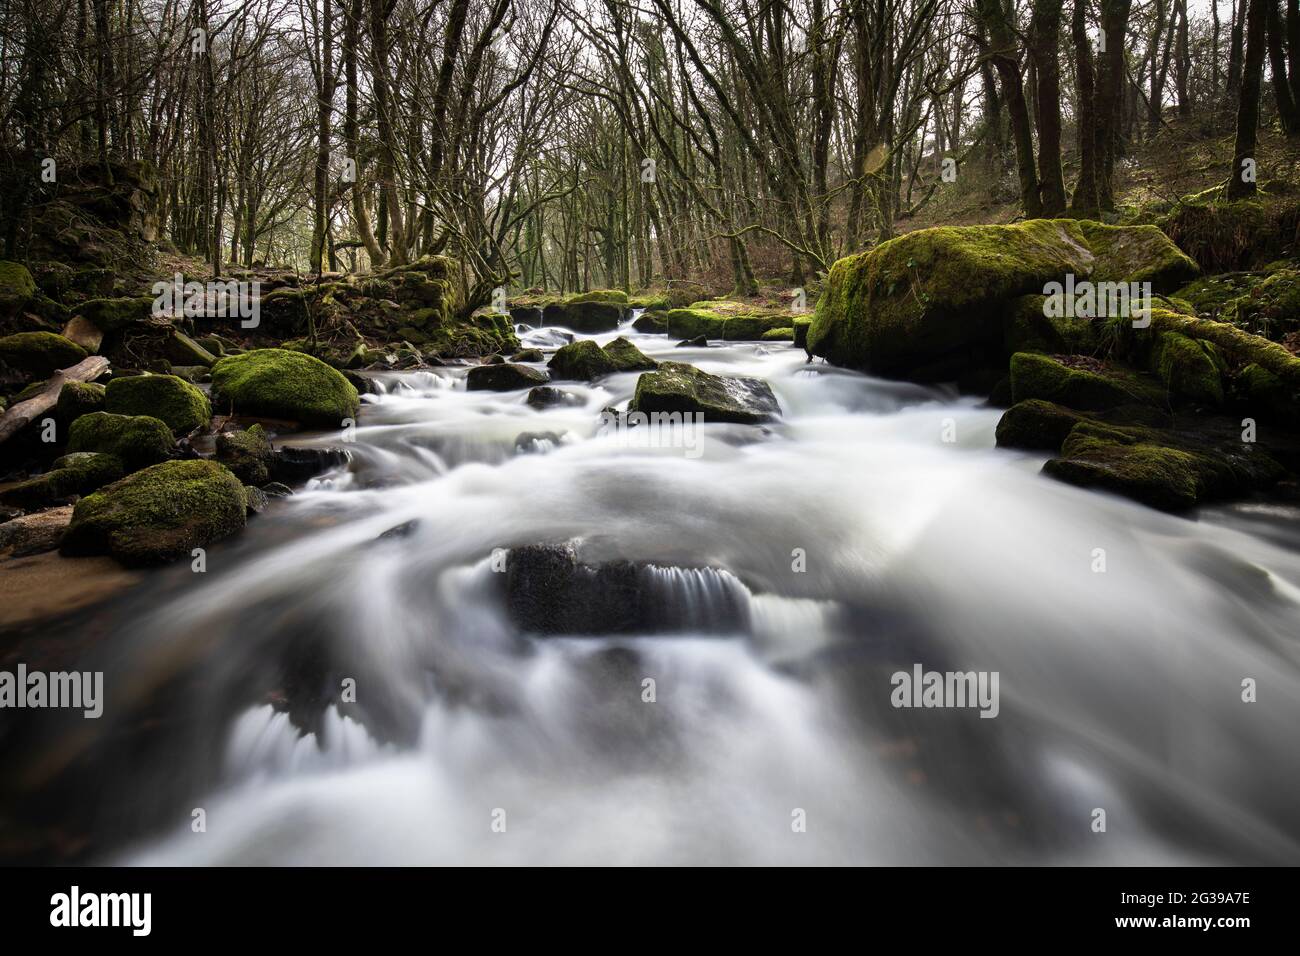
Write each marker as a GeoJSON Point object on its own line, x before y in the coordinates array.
{"type": "Point", "coordinates": [135, 440]}
{"type": "Point", "coordinates": [39, 353]}
{"type": "Point", "coordinates": [678, 387]}
{"type": "Point", "coordinates": [582, 361]}
{"type": "Point", "coordinates": [506, 377]}
{"type": "Point", "coordinates": [75, 474]}
{"type": "Point", "coordinates": [278, 383]}
{"type": "Point", "coordinates": [548, 396]}
{"type": "Point", "coordinates": [168, 398]}
{"type": "Point", "coordinates": [626, 357]}
{"type": "Point", "coordinates": [158, 514]}
{"type": "Point", "coordinates": [248, 454]}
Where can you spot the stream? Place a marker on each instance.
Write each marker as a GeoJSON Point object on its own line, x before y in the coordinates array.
{"type": "Point", "coordinates": [803, 564]}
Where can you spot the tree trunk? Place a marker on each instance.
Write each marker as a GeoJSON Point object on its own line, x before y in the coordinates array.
{"type": "Point", "coordinates": [1044, 40]}
{"type": "Point", "coordinates": [1241, 182]}
{"type": "Point", "coordinates": [1084, 201]}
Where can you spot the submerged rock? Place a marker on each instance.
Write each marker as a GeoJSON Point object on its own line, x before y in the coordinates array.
{"type": "Point", "coordinates": [277, 383]}
{"type": "Point", "coordinates": [505, 377]}
{"type": "Point", "coordinates": [158, 514]}
{"type": "Point", "coordinates": [168, 398]}
{"type": "Point", "coordinates": [678, 387]}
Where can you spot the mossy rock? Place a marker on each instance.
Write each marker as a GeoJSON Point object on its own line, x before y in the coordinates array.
{"type": "Point", "coordinates": [1029, 328]}
{"type": "Point", "coordinates": [626, 357]}
{"type": "Point", "coordinates": [79, 398]}
{"type": "Point", "coordinates": [589, 318]}
{"type": "Point", "coordinates": [801, 327]}
{"type": "Point", "coordinates": [528, 355]}
{"type": "Point", "coordinates": [1238, 347]}
{"type": "Point", "coordinates": [17, 288]}
{"type": "Point", "coordinates": [248, 454]}
{"type": "Point", "coordinates": [651, 322]}
{"type": "Point", "coordinates": [1271, 306]}
{"type": "Point", "coordinates": [691, 322]}
{"type": "Point", "coordinates": [503, 377]}
{"type": "Point", "coordinates": [1036, 425]}
{"type": "Point", "coordinates": [927, 304]}
{"type": "Point", "coordinates": [159, 514]}
{"type": "Point", "coordinates": [582, 361]}
{"type": "Point", "coordinates": [135, 440]}
{"type": "Point", "coordinates": [778, 335]}
{"type": "Point", "coordinates": [1262, 395]}
{"type": "Point", "coordinates": [613, 296]}
{"type": "Point", "coordinates": [116, 314]}
{"type": "Point", "coordinates": [73, 474]}
{"type": "Point", "coordinates": [675, 387]}
{"type": "Point", "coordinates": [1189, 369]}
{"type": "Point", "coordinates": [1212, 294]}
{"type": "Point", "coordinates": [752, 327]}
{"type": "Point", "coordinates": [277, 383]}
{"type": "Point", "coordinates": [183, 350]}
{"type": "Point", "coordinates": [1172, 472]}
{"type": "Point", "coordinates": [39, 353]}
{"type": "Point", "coordinates": [651, 301]}
{"type": "Point", "coordinates": [167, 397]}
{"type": "Point", "coordinates": [1138, 254]}
{"type": "Point", "coordinates": [1049, 379]}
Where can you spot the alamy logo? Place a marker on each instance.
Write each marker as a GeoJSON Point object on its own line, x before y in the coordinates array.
{"type": "Point", "coordinates": [654, 430]}
{"type": "Point", "coordinates": [229, 299]}
{"type": "Point", "coordinates": [103, 909]}
{"type": "Point", "coordinates": [1098, 300]}
{"type": "Point", "coordinates": [922, 688]}
{"type": "Point", "coordinates": [36, 689]}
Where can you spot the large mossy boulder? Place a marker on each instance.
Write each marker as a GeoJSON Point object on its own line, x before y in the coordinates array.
{"type": "Point", "coordinates": [678, 387]}
{"type": "Point", "coordinates": [17, 288]}
{"type": "Point", "coordinates": [39, 353]}
{"type": "Point", "coordinates": [135, 440]}
{"type": "Point", "coordinates": [930, 304]}
{"type": "Point", "coordinates": [159, 514]}
{"type": "Point", "coordinates": [583, 361]}
{"type": "Point", "coordinates": [627, 357]}
{"type": "Point", "coordinates": [589, 318]}
{"type": "Point", "coordinates": [73, 474]}
{"type": "Point", "coordinates": [277, 383]}
{"type": "Point", "coordinates": [503, 377]}
{"type": "Point", "coordinates": [116, 314]}
{"type": "Point", "coordinates": [166, 397]}
{"type": "Point", "coordinates": [1075, 386]}
{"type": "Point", "coordinates": [1036, 425]}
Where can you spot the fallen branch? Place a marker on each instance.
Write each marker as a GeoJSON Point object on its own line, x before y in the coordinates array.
{"type": "Point", "coordinates": [16, 418]}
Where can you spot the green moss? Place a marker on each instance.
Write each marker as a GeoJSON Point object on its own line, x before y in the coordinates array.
{"type": "Point", "coordinates": [114, 315]}
{"type": "Point", "coordinates": [778, 335]}
{"type": "Point", "coordinates": [79, 398]}
{"type": "Point", "coordinates": [1028, 328]}
{"type": "Point", "coordinates": [248, 454]}
{"type": "Point", "coordinates": [158, 514]}
{"type": "Point", "coordinates": [1188, 369]}
{"type": "Point", "coordinates": [1225, 236]}
{"type": "Point", "coordinates": [626, 357]}
{"type": "Point", "coordinates": [651, 301]}
{"type": "Point", "coordinates": [1238, 347]}
{"type": "Point", "coordinates": [582, 361]}
{"type": "Point", "coordinates": [1162, 477]}
{"type": "Point", "coordinates": [1270, 307]}
{"type": "Point", "coordinates": [1038, 376]}
{"type": "Point", "coordinates": [1262, 395]}
{"type": "Point", "coordinates": [1036, 425]}
{"type": "Point", "coordinates": [589, 318]}
{"type": "Point", "coordinates": [614, 296]}
{"type": "Point", "coordinates": [483, 335]}
{"type": "Point", "coordinates": [137, 441]}
{"type": "Point", "coordinates": [39, 353]}
{"type": "Point", "coordinates": [678, 387]}
{"type": "Point", "coordinates": [690, 322]}
{"type": "Point", "coordinates": [17, 287]}
{"type": "Point", "coordinates": [1138, 254]}
{"type": "Point", "coordinates": [167, 397]}
{"type": "Point", "coordinates": [276, 383]}
{"type": "Point", "coordinates": [74, 474]}
{"type": "Point", "coordinates": [183, 350]}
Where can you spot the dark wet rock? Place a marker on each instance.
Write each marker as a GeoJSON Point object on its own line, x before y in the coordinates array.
{"type": "Point", "coordinates": [651, 323]}
{"type": "Point", "coordinates": [294, 464]}
{"type": "Point", "coordinates": [582, 361]}
{"type": "Point", "coordinates": [699, 342]}
{"type": "Point", "coordinates": [34, 533]}
{"type": "Point", "coordinates": [247, 453]}
{"type": "Point", "coordinates": [677, 387]}
{"type": "Point", "coordinates": [627, 357]}
{"type": "Point", "coordinates": [528, 355]}
{"type": "Point", "coordinates": [527, 442]}
{"type": "Point", "coordinates": [403, 530]}
{"type": "Point", "coordinates": [588, 318]}
{"type": "Point", "coordinates": [548, 396]}
{"type": "Point", "coordinates": [257, 500]}
{"type": "Point", "coordinates": [503, 378]}
{"type": "Point", "coordinates": [275, 489]}
{"type": "Point", "coordinates": [72, 475]}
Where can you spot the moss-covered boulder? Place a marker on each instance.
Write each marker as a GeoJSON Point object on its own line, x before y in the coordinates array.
{"type": "Point", "coordinates": [73, 474]}
{"type": "Point", "coordinates": [589, 318]}
{"type": "Point", "coordinates": [1138, 254]}
{"type": "Point", "coordinates": [1036, 425]}
{"type": "Point", "coordinates": [1237, 347]}
{"type": "Point", "coordinates": [1029, 326]}
{"type": "Point", "coordinates": [137, 441]}
{"type": "Point", "coordinates": [678, 387]}
{"type": "Point", "coordinates": [930, 304]}
{"type": "Point", "coordinates": [626, 357]}
{"type": "Point", "coordinates": [651, 322]}
{"type": "Point", "coordinates": [612, 296]}
{"type": "Point", "coordinates": [503, 377]}
{"type": "Point", "coordinates": [17, 288]}
{"type": "Point", "coordinates": [277, 383]}
{"type": "Point", "coordinates": [159, 514]}
{"type": "Point", "coordinates": [183, 350]}
{"type": "Point", "coordinates": [778, 335]}
{"type": "Point", "coordinates": [166, 397]}
{"type": "Point", "coordinates": [79, 398]}
{"type": "Point", "coordinates": [1075, 386]}
{"type": "Point", "coordinates": [1163, 469]}
{"type": "Point", "coordinates": [1190, 369]}
{"type": "Point", "coordinates": [39, 353]}
{"type": "Point", "coordinates": [582, 361]}
{"type": "Point", "coordinates": [248, 454]}
{"type": "Point", "coordinates": [724, 319]}
{"type": "Point", "coordinates": [116, 314]}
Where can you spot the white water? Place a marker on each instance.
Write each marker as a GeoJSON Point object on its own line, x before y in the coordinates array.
{"type": "Point", "coordinates": [1119, 690]}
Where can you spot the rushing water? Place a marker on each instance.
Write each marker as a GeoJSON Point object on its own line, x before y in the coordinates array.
{"type": "Point", "coordinates": [1119, 690]}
